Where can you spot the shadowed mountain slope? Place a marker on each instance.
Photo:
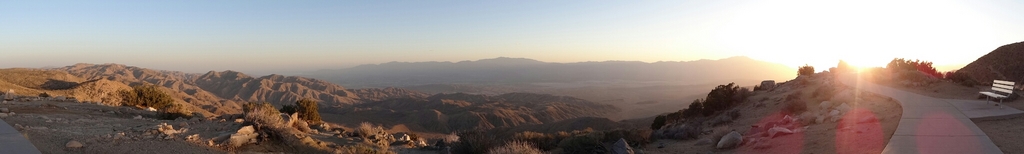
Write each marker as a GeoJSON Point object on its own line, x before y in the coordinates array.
{"type": "Point", "coordinates": [1003, 63]}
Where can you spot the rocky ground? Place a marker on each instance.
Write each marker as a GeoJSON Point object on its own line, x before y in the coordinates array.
{"type": "Point", "coordinates": [838, 119]}
{"type": "Point", "coordinates": [69, 127]}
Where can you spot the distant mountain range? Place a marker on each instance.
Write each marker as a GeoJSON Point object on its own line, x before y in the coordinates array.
{"type": "Point", "coordinates": [451, 112]}
{"type": "Point", "coordinates": [520, 70]}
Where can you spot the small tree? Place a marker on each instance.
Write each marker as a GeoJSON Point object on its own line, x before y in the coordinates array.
{"type": "Point", "coordinates": [805, 70]}
{"type": "Point", "coordinates": [308, 111]}
{"type": "Point", "coordinates": [658, 122]}
{"type": "Point", "coordinates": [290, 109]}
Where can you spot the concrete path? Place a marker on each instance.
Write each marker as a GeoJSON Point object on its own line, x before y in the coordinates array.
{"type": "Point", "coordinates": [11, 141]}
{"type": "Point", "coordinates": [931, 125]}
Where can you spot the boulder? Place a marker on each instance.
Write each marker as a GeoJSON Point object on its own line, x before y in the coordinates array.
{"type": "Point", "coordinates": [74, 144]}
{"type": "Point", "coordinates": [3, 115]}
{"type": "Point", "coordinates": [730, 140]}
{"type": "Point", "coordinates": [4, 110]}
{"type": "Point", "coordinates": [621, 147]}
{"type": "Point", "coordinates": [844, 108]}
{"type": "Point", "coordinates": [825, 105]}
{"type": "Point", "coordinates": [778, 131]}
{"type": "Point", "coordinates": [241, 137]}
{"type": "Point", "coordinates": [404, 138]}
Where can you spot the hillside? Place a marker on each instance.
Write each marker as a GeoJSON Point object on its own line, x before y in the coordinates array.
{"type": "Point", "coordinates": [1003, 63]}
{"type": "Point", "coordinates": [450, 112]}
{"type": "Point", "coordinates": [521, 70]}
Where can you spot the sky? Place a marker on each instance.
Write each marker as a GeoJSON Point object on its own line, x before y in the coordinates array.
{"type": "Point", "coordinates": [294, 36]}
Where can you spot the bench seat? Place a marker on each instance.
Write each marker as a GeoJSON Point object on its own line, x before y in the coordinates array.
{"type": "Point", "coordinates": [992, 94]}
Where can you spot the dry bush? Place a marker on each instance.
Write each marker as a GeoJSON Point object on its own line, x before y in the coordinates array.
{"type": "Point", "coordinates": [174, 111]}
{"type": "Point", "coordinates": [475, 141]}
{"type": "Point", "coordinates": [450, 138]}
{"type": "Point", "coordinates": [366, 129]}
{"type": "Point", "coordinates": [805, 70]}
{"type": "Point", "coordinates": [362, 149]}
{"type": "Point", "coordinates": [541, 140]}
{"type": "Point", "coordinates": [515, 147]}
{"type": "Point", "coordinates": [263, 115]}
{"type": "Point", "coordinates": [794, 104]}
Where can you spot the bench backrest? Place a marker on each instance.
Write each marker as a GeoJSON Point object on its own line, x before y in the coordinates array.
{"type": "Point", "coordinates": [1003, 86]}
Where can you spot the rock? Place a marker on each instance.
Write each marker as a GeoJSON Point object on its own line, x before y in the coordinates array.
{"type": "Point", "coordinates": [239, 120]}
{"type": "Point", "coordinates": [867, 119]}
{"type": "Point", "coordinates": [703, 142]}
{"type": "Point", "coordinates": [404, 137]}
{"type": "Point", "coordinates": [661, 145]}
{"type": "Point", "coordinates": [778, 131]}
{"type": "Point", "coordinates": [834, 115]}
{"type": "Point", "coordinates": [825, 105]}
{"type": "Point", "coordinates": [843, 108]}
{"type": "Point", "coordinates": [621, 147]}
{"type": "Point", "coordinates": [4, 110]}
{"type": "Point", "coordinates": [730, 140]}
{"type": "Point", "coordinates": [150, 109]}
{"type": "Point", "coordinates": [246, 130]}
{"type": "Point", "coordinates": [820, 119]}
{"type": "Point", "coordinates": [3, 115]}
{"type": "Point", "coordinates": [74, 144]}
{"type": "Point", "coordinates": [166, 129]}
{"type": "Point", "coordinates": [137, 117]}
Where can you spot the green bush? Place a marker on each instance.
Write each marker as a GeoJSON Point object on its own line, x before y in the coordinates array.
{"type": "Point", "coordinates": [960, 78]}
{"type": "Point", "coordinates": [290, 109]}
{"type": "Point", "coordinates": [308, 111]}
{"type": "Point", "coordinates": [146, 96]}
{"type": "Point", "coordinates": [722, 98]}
{"type": "Point", "coordinates": [658, 122]}
{"type": "Point", "coordinates": [805, 70]}
{"type": "Point", "coordinates": [696, 108]}
{"type": "Point", "coordinates": [515, 147]}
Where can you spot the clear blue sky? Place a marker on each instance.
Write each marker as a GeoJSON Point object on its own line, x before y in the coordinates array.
{"type": "Point", "coordinates": [269, 36]}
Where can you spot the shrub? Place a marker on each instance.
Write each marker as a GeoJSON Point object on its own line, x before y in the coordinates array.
{"type": "Point", "coordinates": [450, 138]}
{"type": "Point", "coordinates": [695, 109]}
{"type": "Point", "coordinates": [263, 115]}
{"type": "Point", "coordinates": [582, 144]}
{"type": "Point", "coordinates": [722, 98]}
{"type": "Point", "coordinates": [366, 129]}
{"type": "Point", "coordinates": [960, 78]}
{"type": "Point", "coordinates": [515, 147]}
{"type": "Point", "coordinates": [842, 67]}
{"type": "Point", "coordinates": [635, 137]}
{"type": "Point", "coordinates": [174, 111]}
{"type": "Point", "coordinates": [900, 65]}
{"type": "Point", "coordinates": [474, 141]}
{"type": "Point", "coordinates": [308, 111]}
{"type": "Point", "coordinates": [541, 140]}
{"type": "Point", "coordinates": [658, 122]}
{"type": "Point", "coordinates": [805, 70]}
{"type": "Point", "coordinates": [290, 109]}
{"type": "Point", "coordinates": [794, 104]}
{"type": "Point", "coordinates": [44, 95]}
{"type": "Point", "coordinates": [146, 96]}
{"type": "Point", "coordinates": [363, 149]}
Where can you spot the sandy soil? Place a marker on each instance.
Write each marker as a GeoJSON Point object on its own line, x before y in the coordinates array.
{"type": "Point", "coordinates": [844, 136]}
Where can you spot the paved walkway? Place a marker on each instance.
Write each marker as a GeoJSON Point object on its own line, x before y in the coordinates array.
{"type": "Point", "coordinates": [932, 125]}
{"type": "Point", "coordinates": [11, 141]}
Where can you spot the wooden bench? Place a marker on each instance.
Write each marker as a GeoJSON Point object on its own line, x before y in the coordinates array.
{"type": "Point", "coordinates": [1000, 90]}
